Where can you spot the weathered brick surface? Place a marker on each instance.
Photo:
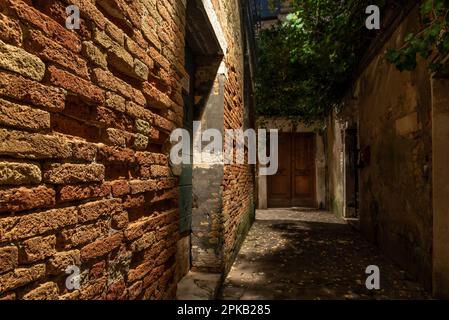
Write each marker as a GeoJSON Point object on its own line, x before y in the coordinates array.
{"type": "Point", "coordinates": [85, 117]}
{"type": "Point", "coordinates": [38, 248]}
{"type": "Point", "coordinates": [20, 199]}
{"type": "Point", "coordinates": [32, 92]}
{"type": "Point", "coordinates": [47, 291]}
{"type": "Point", "coordinates": [17, 173]}
{"type": "Point", "coordinates": [73, 173]}
{"type": "Point", "coordinates": [23, 117]}
{"type": "Point", "coordinates": [8, 258]}
{"type": "Point", "coordinates": [18, 60]}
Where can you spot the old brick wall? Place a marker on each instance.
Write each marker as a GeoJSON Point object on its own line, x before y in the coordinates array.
{"type": "Point", "coordinates": [84, 121]}
{"type": "Point", "coordinates": [393, 111]}
{"type": "Point", "coordinates": [238, 180]}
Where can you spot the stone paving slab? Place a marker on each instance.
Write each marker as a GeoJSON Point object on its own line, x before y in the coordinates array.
{"type": "Point", "coordinates": [199, 286]}
{"type": "Point", "coordinates": [307, 254]}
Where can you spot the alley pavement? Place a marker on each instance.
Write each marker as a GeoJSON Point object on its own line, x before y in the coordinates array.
{"type": "Point", "coordinates": [309, 254]}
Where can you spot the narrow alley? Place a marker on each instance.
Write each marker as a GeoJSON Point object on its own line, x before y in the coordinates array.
{"type": "Point", "coordinates": [309, 254]}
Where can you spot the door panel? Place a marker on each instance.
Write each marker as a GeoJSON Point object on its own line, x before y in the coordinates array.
{"type": "Point", "coordinates": [304, 170]}
{"type": "Point", "coordinates": [279, 185]}
{"type": "Point", "coordinates": [294, 184]}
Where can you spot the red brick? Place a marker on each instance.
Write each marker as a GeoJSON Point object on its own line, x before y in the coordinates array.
{"type": "Point", "coordinates": [36, 146]}
{"type": "Point", "coordinates": [151, 278]}
{"type": "Point", "coordinates": [76, 85]}
{"type": "Point", "coordinates": [138, 228]}
{"type": "Point", "coordinates": [21, 277]}
{"type": "Point", "coordinates": [142, 186]}
{"type": "Point", "coordinates": [155, 98]}
{"type": "Point", "coordinates": [135, 290]}
{"type": "Point", "coordinates": [138, 52]}
{"type": "Point", "coordinates": [70, 126]}
{"type": "Point", "coordinates": [97, 270]}
{"type": "Point", "coordinates": [52, 29]}
{"type": "Point", "coordinates": [19, 199]}
{"type": "Point", "coordinates": [138, 112]}
{"type": "Point", "coordinates": [61, 260]}
{"type": "Point", "coordinates": [116, 290]}
{"type": "Point", "coordinates": [82, 192]}
{"type": "Point", "coordinates": [163, 123]}
{"type": "Point", "coordinates": [120, 188]}
{"type": "Point", "coordinates": [68, 173]}
{"type": "Point", "coordinates": [107, 80]}
{"type": "Point", "coordinates": [159, 59]}
{"type": "Point", "coordinates": [91, 12]}
{"type": "Point", "coordinates": [9, 258]}
{"type": "Point", "coordinates": [117, 137]}
{"type": "Point", "coordinates": [38, 248]}
{"type": "Point", "coordinates": [8, 296]}
{"type": "Point", "coordinates": [95, 210]}
{"type": "Point", "coordinates": [10, 30]}
{"type": "Point", "coordinates": [119, 220]}
{"type": "Point", "coordinates": [149, 158]}
{"type": "Point", "coordinates": [160, 171]}
{"type": "Point", "coordinates": [50, 51]}
{"type": "Point", "coordinates": [21, 227]}
{"type": "Point", "coordinates": [83, 234]}
{"type": "Point", "coordinates": [134, 201]}
{"type": "Point", "coordinates": [83, 151]}
{"type": "Point", "coordinates": [32, 92]}
{"type": "Point", "coordinates": [101, 247]}
{"type": "Point", "coordinates": [46, 291]}
{"type": "Point", "coordinates": [140, 271]}
{"type": "Point", "coordinates": [110, 118]}
{"type": "Point", "coordinates": [94, 289]}
{"type": "Point", "coordinates": [116, 155]}
{"type": "Point", "coordinates": [23, 117]}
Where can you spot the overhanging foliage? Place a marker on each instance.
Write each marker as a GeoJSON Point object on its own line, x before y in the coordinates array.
{"type": "Point", "coordinates": [306, 62]}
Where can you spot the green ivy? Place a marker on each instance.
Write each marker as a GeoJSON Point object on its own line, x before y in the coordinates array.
{"type": "Point", "coordinates": [306, 62]}
{"type": "Point", "coordinates": [432, 41]}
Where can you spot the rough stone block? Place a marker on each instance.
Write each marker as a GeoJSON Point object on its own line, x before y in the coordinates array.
{"type": "Point", "coordinates": [21, 277]}
{"type": "Point", "coordinates": [9, 258]}
{"type": "Point", "coordinates": [33, 146]}
{"type": "Point", "coordinates": [32, 92]}
{"type": "Point", "coordinates": [101, 247]}
{"type": "Point", "coordinates": [23, 117]}
{"type": "Point", "coordinates": [61, 260]}
{"type": "Point", "coordinates": [94, 54]}
{"type": "Point", "coordinates": [25, 226]}
{"type": "Point", "coordinates": [10, 30]}
{"type": "Point", "coordinates": [84, 234]}
{"type": "Point", "coordinates": [76, 85]}
{"type": "Point", "coordinates": [18, 60]}
{"type": "Point", "coordinates": [45, 291]}
{"type": "Point", "coordinates": [37, 248]}
{"type": "Point", "coordinates": [18, 173]}
{"type": "Point", "coordinates": [19, 199]}
{"type": "Point", "coordinates": [94, 210]}
{"type": "Point", "coordinates": [73, 173]}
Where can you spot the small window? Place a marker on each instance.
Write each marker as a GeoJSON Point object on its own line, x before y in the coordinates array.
{"type": "Point", "coordinates": [269, 11]}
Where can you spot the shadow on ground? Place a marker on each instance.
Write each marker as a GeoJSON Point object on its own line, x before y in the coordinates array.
{"type": "Point", "coordinates": [309, 254]}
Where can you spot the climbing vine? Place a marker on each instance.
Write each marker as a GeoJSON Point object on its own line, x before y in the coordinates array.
{"type": "Point", "coordinates": [306, 62]}
{"type": "Point", "coordinates": [432, 41]}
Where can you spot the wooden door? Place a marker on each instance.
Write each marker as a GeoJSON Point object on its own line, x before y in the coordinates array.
{"type": "Point", "coordinates": [279, 185]}
{"type": "Point", "coordinates": [303, 170]}
{"type": "Point", "coordinates": [294, 183]}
